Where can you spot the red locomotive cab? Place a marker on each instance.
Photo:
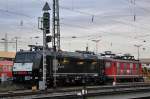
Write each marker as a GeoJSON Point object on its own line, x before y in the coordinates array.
{"type": "Point", "coordinates": [111, 70]}
{"type": "Point", "coordinates": [123, 69]}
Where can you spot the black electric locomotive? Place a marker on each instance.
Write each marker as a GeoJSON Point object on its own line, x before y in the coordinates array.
{"type": "Point", "coordinates": [73, 68]}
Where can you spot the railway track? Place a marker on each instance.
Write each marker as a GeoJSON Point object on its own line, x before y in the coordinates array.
{"type": "Point", "coordinates": [76, 91]}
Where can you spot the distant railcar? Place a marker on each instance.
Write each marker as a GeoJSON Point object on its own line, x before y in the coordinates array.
{"type": "Point", "coordinates": [6, 70]}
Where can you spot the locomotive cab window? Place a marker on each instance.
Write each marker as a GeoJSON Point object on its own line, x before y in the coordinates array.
{"type": "Point", "coordinates": [108, 64]}
{"type": "Point", "coordinates": [118, 68]}
{"type": "Point", "coordinates": [131, 65]}
{"type": "Point", "coordinates": [118, 65]}
{"type": "Point", "coordinates": [93, 65]}
{"type": "Point", "coordinates": [137, 66]}
{"type": "Point", "coordinates": [125, 66]}
{"type": "Point", "coordinates": [25, 57]}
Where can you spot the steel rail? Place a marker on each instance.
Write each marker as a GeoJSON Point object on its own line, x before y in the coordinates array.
{"type": "Point", "coordinates": [92, 90]}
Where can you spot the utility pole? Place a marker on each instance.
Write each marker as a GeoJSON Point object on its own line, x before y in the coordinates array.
{"type": "Point", "coordinates": [138, 51]}
{"type": "Point", "coordinates": [16, 38]}
{"type": "Point", "coordinates": [6, 42]}
{"type": "Point", "coordinates": [96, 41]}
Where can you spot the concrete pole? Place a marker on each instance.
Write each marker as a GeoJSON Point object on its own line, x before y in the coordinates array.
{"type": "Point", "coordinates": [6, 43]}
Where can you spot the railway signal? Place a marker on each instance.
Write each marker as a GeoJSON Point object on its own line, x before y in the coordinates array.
{"type": "Point", "coordinates": [45, 26]}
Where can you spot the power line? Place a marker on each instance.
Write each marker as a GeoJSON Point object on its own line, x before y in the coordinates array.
{"type": "Point", "coordinates": [99, 33]}
{"type": "Point", "coordinates": [81, 12]}
{"type": "Point", "coordinates": [15, 13]}
{"type": "Point", "coordinates": [121, 22]}
{"type": "Point", "coordinates": [90, 14]}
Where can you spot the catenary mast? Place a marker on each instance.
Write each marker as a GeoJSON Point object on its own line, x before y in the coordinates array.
{"type": "Point", "coordinates": [56, 26]}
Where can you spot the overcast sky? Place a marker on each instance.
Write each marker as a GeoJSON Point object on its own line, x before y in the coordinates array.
{"type": "Point", "coordinates": [111, 21]}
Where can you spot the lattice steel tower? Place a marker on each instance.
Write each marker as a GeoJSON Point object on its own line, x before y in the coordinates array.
{"type": "Point", "coordinates": [56, 26]}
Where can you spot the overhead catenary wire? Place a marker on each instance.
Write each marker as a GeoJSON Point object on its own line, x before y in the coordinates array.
{"type": "Point", "coordinates": [99, 32]}
{"type": "Point", "coordinates": [15, 13]}
{"type": "Point", "coordinates": [118, 21]}
{"type": "Point", "coordinates": [81, 12]}
{"type": "Point", "coordinates": [85, 13]}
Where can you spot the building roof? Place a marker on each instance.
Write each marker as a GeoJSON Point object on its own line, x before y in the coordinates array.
{"type": "Point", "coordinates": [4, 54]}
{"type": "Point", "coordinates": [10, 63]}
{"type": "Point", "coordinates": [145, 60]}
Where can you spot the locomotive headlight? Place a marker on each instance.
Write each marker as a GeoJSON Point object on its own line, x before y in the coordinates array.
{"type": "Point", "coordinates": [94, 63]}
{"type": "Point", "coordinates": [65, 61]}
{"type": "Point", "coordinates": [80, 63]}
{"type": "Point", "coordinates": [95, 74]}
{"type": "Point", "coordinates": [128, 71]}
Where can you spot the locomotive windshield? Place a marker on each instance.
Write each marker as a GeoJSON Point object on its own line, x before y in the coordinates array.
{"type": "Point", "coordinates": [25, 57]}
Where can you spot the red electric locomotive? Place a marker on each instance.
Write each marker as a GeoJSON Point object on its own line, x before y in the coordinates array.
{"type": "Point", "coordinates": [122, 69]}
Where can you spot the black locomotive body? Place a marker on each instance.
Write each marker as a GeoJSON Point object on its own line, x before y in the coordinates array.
{"type": "Point", "coordinates": [73, 68]}
{"type": "Point", "coordinates": [78, 67]}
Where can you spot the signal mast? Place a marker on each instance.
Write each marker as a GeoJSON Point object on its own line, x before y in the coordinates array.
{"type": "Point", "coordinates": [44, 24]}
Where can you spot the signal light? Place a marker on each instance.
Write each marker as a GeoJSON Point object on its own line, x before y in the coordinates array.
{"type": "Point", "coordinates": [46, 21]}
{"type": "Point", "coordinates": [48, 39]}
